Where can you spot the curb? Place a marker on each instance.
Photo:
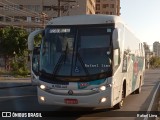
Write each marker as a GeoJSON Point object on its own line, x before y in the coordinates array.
{"type": "Point", "coordinates": [13, 78]}
{"type": "Point", "coordinates": [158, 118]}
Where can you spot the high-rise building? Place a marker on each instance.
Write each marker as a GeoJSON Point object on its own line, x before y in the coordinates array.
{"type": "Point", "coordinates": [32, 14]}
{"type": "Point", "coordinates": [84, 7]}
{"type": "Point", "coordinates": [156, 48]}
{"type": "Point", "coordinates": [109, 7]}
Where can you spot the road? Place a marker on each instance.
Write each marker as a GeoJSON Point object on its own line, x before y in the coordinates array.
{"type": "Point", "coordinates": [23, 98]}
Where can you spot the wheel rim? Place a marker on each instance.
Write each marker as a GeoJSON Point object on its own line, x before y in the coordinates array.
{"type": "Point", "coordinates": [122, 93]}
{"type": "Point", "coordinates": [121, 103]}
{"type": "Point", "coordinates": [140, 87]}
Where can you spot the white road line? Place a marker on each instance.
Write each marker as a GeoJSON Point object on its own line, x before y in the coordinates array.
{"type": "Point", "coordinates": [5, 97]}
{"type": "Point", "coordinates": [151, 104]}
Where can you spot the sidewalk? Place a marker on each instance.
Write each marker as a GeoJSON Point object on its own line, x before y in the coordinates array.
{"type": "Point", "coordinates": [159, 108]}
{"type": "Point", "coordinates": [9, 77]}
{"type": "Point", "coordinates": [10, 81]}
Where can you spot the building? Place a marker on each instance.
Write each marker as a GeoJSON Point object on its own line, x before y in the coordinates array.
{"type": "Point", "coordinates": [84, 7]}
{"type": "Point", "coordinates": [111, 7]}
{"type": "Point", "coordinates": [33, 14]}
{"type": "Point", "coordinates": [156, 48]}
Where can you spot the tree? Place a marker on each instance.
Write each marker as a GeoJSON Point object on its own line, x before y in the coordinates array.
{"type": "Point", "coordinates": [155, 62]}
{"type": "Point", "coordinates": [13, 42]}
{"type": "Point", "coordinates": [37, 40]}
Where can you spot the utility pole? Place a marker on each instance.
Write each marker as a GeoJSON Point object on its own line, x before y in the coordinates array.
{"type": "Point", "coordinates": [43, 17]}
{"type": "Point", "coordinates": [59, 8]}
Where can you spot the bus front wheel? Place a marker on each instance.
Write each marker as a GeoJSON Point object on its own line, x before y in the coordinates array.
{"type": "Point", "coordinates": [120, 104]}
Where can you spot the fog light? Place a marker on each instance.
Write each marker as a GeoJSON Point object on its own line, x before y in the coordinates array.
{"type": "Point", "coordinates": [102, 88]}
{"type": "Point", "coordinates": [42, 98]}
{"type": "Point", "coordinates": [103, 100]}
{"type": "Point", "coordinates": [42, 87]}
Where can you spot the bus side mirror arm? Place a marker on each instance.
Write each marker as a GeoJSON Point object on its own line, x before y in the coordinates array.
{"type": "Point", "coordinates": [31, 38]}
{"type": "Point", "coordinates": [116, 38]}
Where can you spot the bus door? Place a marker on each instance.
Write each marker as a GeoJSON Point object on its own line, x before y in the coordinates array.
{"type": "Point", "coordinates": [127, 68]}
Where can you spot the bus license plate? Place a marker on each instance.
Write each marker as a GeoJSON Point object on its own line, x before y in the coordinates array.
{"type": "Point", "coordinates": [71, 101]}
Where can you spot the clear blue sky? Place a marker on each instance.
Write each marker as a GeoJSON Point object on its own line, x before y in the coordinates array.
{"type": "Point", "coordinates": [143, 17]}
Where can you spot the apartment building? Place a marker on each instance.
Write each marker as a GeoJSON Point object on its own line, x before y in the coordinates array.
{"type": "Point", "coordinates": [109, 7]}
{"type": "Point", "coordinates": [156, 48]}
{"type": "Point", "coordinates": [34, 14]}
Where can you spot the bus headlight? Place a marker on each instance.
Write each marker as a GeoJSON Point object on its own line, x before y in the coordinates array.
{"type": "Point", "coordinates": [103, 100]}
{"type": "Point", "coordinates": [42, 98]}
{"type": "Point", "coordinates": [43, 87]}
{"type": "Point", "coordinates": [102, 88]}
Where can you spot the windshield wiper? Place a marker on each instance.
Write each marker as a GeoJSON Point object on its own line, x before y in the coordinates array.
{"type": "Point", "coordinates": [82, 63]}
{"type": "Point", "coordinates": [60, 60]}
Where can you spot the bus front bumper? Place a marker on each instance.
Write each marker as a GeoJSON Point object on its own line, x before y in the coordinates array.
{"type": "Point", "coordinates": [101, 99]}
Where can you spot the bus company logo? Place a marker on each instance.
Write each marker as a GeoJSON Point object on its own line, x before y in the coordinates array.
{"type": "Point", "coordinates": [70, 92]}
{"type": "Point", "coordinates": [6, 114]}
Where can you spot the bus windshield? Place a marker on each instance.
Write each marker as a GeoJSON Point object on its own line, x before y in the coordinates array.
{"type": "Point", "coordinates": [76, 51]}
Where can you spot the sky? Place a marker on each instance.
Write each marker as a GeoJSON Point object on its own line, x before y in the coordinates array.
{"type": "Point", "coordinates": [143, 17]}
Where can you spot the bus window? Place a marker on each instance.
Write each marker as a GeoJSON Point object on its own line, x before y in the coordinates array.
{"type": "Point", "coordinates": [35, 60]}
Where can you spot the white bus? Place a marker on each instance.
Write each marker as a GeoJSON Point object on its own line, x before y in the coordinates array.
{"type": "Point", "coordinates": [88, 61]}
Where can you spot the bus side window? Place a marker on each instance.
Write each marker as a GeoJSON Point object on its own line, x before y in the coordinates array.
{"type": "Point", "coordinates": [116, 57]}
{"type": "Point", "coordinates": [125, 60]}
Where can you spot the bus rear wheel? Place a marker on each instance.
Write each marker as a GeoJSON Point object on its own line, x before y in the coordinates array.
{"type": "Point", "coordinates": [138, 91]}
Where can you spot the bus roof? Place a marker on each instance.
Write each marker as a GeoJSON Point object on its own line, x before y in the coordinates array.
{"type": "Point", "coordinates": [85, 20]}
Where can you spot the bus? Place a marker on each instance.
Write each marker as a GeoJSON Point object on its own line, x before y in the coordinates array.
{"type": "Point", "coordinates": [88, 61]}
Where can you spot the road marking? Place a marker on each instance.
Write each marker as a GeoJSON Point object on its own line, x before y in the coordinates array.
{"type": "Point", "coordinates": [4, 97]}
{"type": "Point", "coordinates": [151, 104]}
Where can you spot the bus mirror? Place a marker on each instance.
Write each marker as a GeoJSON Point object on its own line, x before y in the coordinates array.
{"type": "Point", "coordinates": [115, 38]}
{"type": "Point", "coordinates": [31, 38]}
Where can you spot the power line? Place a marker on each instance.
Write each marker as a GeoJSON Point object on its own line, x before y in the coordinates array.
{"type": "Point", "coordinates": [18, 9]}
{"type": "Point", "coordinates": [42, 15]}
{"type": "Point", "coordinates": [14, 8]}
{"type": "Point", "coordinates": [33, 12]}
{"type": "Point", "coordinates": [25, 8]}
{"type": "Point", "coordinates": [24, 12]}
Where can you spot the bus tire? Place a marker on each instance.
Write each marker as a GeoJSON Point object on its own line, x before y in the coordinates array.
{"type": "Point", "coordinates": [138, 91]}
{"type": "Point", "coordinates": [120, 104]}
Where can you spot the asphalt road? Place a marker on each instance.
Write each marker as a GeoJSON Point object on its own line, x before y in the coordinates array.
{"type": "Point", "coordinates": [22, 97]}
